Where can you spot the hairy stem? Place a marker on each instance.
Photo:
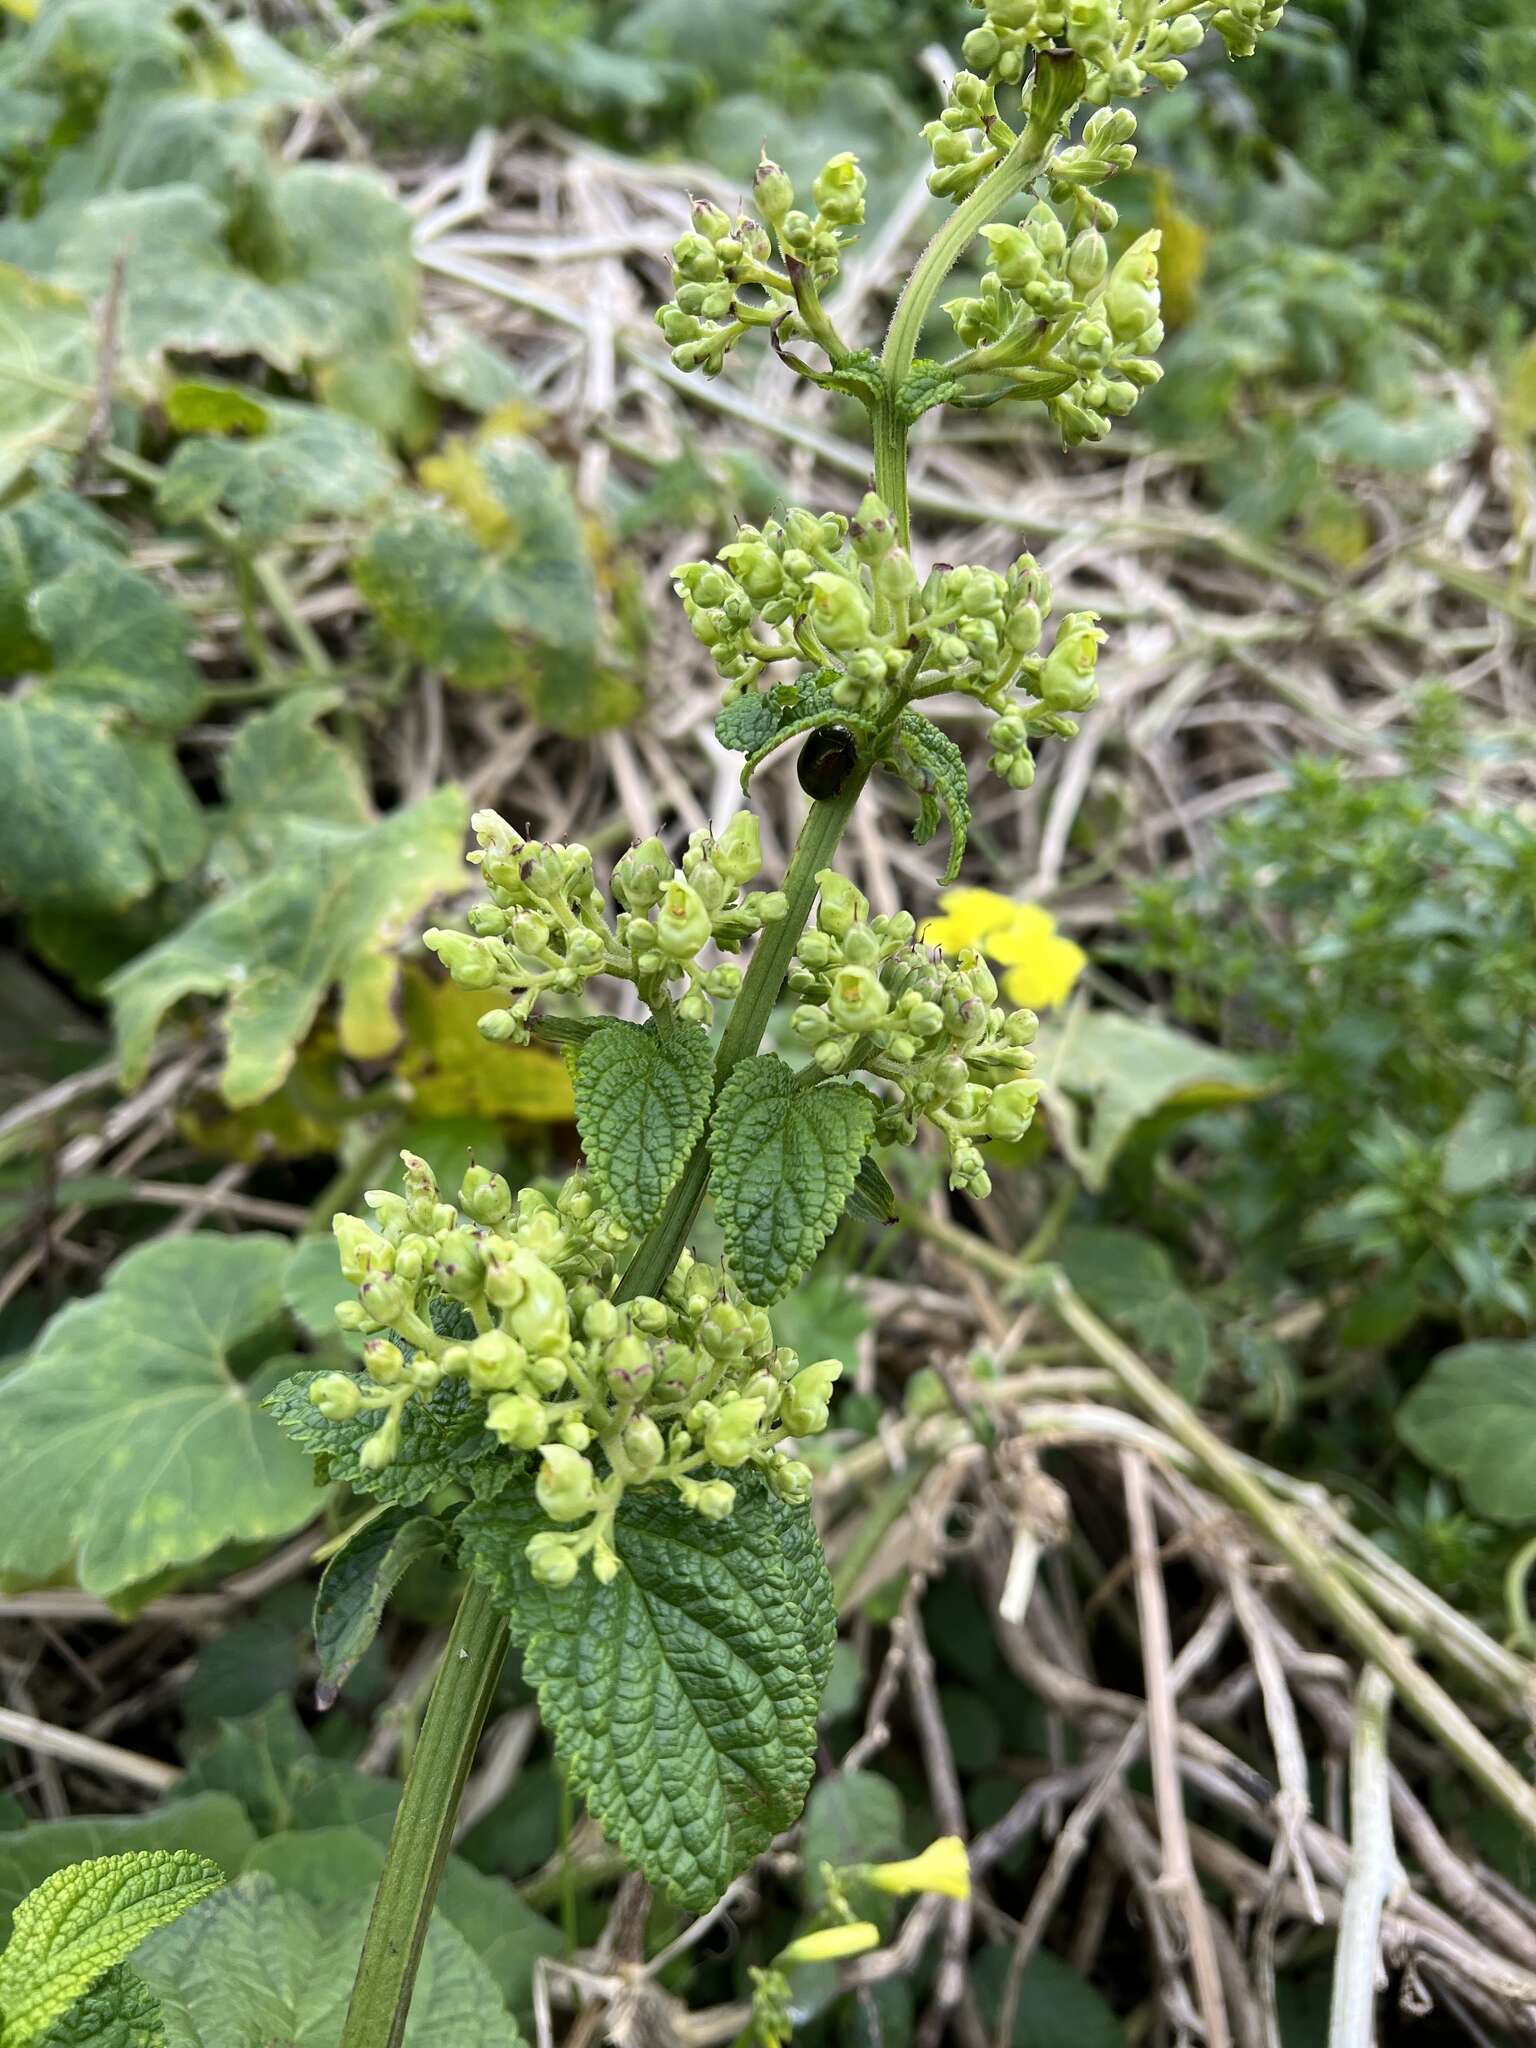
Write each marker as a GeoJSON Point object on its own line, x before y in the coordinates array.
{"type": "Point", "coordinates": [423, 1830]}
{"type": "Point", "coordinates": [1022, 163]}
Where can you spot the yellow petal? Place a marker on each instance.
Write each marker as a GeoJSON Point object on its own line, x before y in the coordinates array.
{"type": "Point", "coordinates": [829, 1945]}
{"type": "Point", "coordinates": [1047, 977]}
{"type": "Point", "coordinates": [969, 916]}
{"type": "Point", "coordinates": [943, 1867]}
{"type": "Point", "coordinates": [1027, 930]}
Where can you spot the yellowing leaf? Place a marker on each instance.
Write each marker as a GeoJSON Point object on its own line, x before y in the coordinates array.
{"type": "Point", "coordinates": [333, 907]}
{"type": "Point", "coordinates": [1335, 526]}
{"type": "Point", "coordinates": [126, 1443]}
{"type": "Point", "coordinates": [1182, 257]}
{"type": "Point", "coordinates": [455, 1072]}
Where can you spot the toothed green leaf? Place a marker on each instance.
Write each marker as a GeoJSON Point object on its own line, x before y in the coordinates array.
{"type": "Point", "coordinates": [683, 1695]}
{"type": "Point", "coordinates": [443, 1442]}
{"type": "Point", "coordinates": [120, 2012]}
{"type": "Point", "coordinates": [785, 1159]}
{"type": "Point", "coordinates": [81, 1921]}
{"type": "Point", "coordinates": [641, 1101]}
{"type": "Point", "coordinates": [928, 761]}
{"type": "Point", "coordinates": [356, 1583]}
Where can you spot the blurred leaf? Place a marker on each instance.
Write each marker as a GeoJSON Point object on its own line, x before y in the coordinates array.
{"type": "Point", "coordinates": [333, 909]}
{"type": "Point", "coordinates": [133, 1385]}
{"type": "Point", "coordinates": [455, 363]}
{"type": "Point", "coordinates": [1473, 1415]}
{"type": "Point", "coordinates": [453, 1071]}
{"type": "Point", "coordinates": [338, 1865]}
{"type": "Point", "coordinates": [254, 1964]}
{"type": "Point", "coordinates": [850, 1817]}
{"type": "Point", "coordinates": [1336, 527]}
{"type": "Point", "coordinates": [201, 406]}
{"type": "Point", "coordinates": [41, 535]}
{"type": "Point", "coordinates": [1128, 1069]}
{"type": "Point", "coordinates": [340, 277]}
{"type": "Point", "coordinates": [1490, 1146]}
{"type": "Point", "coordinates": [1130, 1280]}
{"type": "Point", "coordinates": [498, 591]}
{"type": "Point", "coordinates": [824, 1317]}
{"type": "Point", "coordinates": [1056, 2009]}
{"type": "Point", "coordinates": [62, 763]}
{"type": "Point", "coordinates": [119, 643]}
{"type": "Point", "coordinates": [307, 463]}
{"type": "Point", "coordinates": [45, 338]}
{"type": "Point", "coordinates": [279, 767]}
{"type": "Point", "coordinates": [269, 1762]}
{"type": "Point", "coordinates": [1182, 257]}
{"type": "Point", "coordinates": [1355, 430]}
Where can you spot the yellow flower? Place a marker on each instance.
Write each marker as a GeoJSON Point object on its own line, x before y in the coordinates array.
{"type": "Point", "coordinates": [1042, 966]}
{"type": "Point", "coordinates": [942, 1867]}
{"type": "Point", "coordinates": [829, 1945]}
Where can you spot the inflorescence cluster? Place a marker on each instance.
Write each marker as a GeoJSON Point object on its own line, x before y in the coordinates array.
{"type": "Point", "coordinates": [872, 999]}
{"type": "Point", "coordinates": [843, 597]}
{"type": "Point", "coordinates": [650, 1392]}
{"type": "Point", "coordinates": [545, 930]}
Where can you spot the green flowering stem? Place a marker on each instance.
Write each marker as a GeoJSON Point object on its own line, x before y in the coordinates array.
{"type": "Point", "coordinates": [825, 823]}
{"type": "Point", "coordinates": [1024, 161]}
{"type": "Point", "coordinates": [466, 1680]}
{"type": "Point", "coordinates": [423, 1831]}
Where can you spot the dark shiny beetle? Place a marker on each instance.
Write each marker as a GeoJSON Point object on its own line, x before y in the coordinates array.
{"type": "Point", "coordinates": [827, 760]}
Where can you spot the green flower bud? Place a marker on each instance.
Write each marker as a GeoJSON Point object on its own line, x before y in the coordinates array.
{"type": "Point", "coordinates": [723, 1330]}
{"type": "Point", "coordinates": [384, 1362]}
{"type": "Point", "coordinates": [682, 922]}
{"type": "Point", "coordinates": [485, 1196]}
{"type": "Point", "coordinates": [362, 1250]}
{"type": "Point", "coordinates": [790, 1480]}
{"type": "Point", "coordinates": [857, 1001]}
{"type": "Point", "coordinates": [642, 874]}
{"type": "Point", "coordinates": [495, 1362]}
{"type": "Point", "coordinates": [352, 1317]}
{"type": "Point", "coordinates": [337, 1395]}
{"type": "Point", "coordinates": [738, 851]}
{"type": "Point", "coordinates": [1015, 255]}
{"type": "Point", "coordinates": [873, 530]}
{"type": "Point", "coordinates": [841, 905]}
{"type": "Point", "coordinates": [459, 1268]}
{"type": "Point", "coordinates": [838, 190]}
{"type": "Point", "coordinates": [773, 193]}
{"type": "Point", "coordinates": [574, 1433]}
{"type": "Point", "coordinates": [473, 963]}
{"type": "Point", "coordinates": [384, 1299]}
{"type": "Point", "coordinates": [807, 1398]}
{"type": "Point", "coordinates": [501, 1027]}
{"type": "Point", "coordinates": [383, 1447]}
{"type": "Point", "coordinates": [1011, 1109]}
{"type": "Point", "coordinates": [601, 1323]}
{"type": "Point", "coordinates": [551, 1559]}
{"type": "Point", "coordinates": [712, 1498]}
{"type": "Point", "coordinates": [519, 1421]}
{"type": "Point", "coordinates": [566, 1487]}
{"type": "Point", "coordinates": [1067, 680]}
{"type": "Point", "coordinates": [643, 1444]}
{"type": "Point", "coordinates": [1088, 260]}
{"type": "Point", "coordinates": [1132, 301]}
{"type": "Point", "coordinates": [730, 1436]}
{"type": "Point", "coordinates": [839, 611]}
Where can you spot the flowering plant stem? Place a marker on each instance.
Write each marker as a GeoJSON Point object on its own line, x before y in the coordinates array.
{"type": "Point", "coordinates": [466, 1682]}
